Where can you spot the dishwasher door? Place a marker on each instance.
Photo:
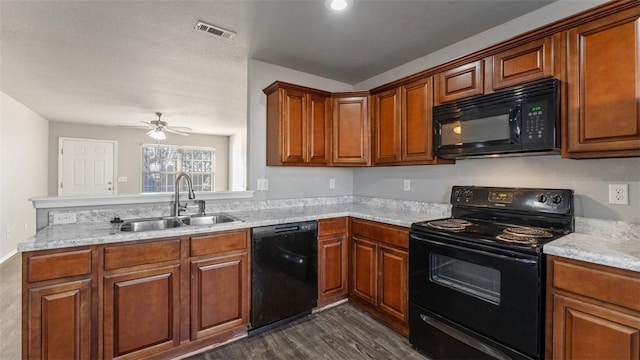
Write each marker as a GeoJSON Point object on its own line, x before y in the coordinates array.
{"type": "Point", "coordinates": [284, 274]}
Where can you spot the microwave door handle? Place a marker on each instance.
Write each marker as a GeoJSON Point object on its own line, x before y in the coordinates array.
{"type": "Point", "coordinates": [514, 123]}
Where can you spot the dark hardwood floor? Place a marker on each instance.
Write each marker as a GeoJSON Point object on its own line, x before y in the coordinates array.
{"type": "Point", "coordinates": [342, 332]}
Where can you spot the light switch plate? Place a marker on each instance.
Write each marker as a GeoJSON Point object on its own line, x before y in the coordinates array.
{"type": "Point", "coordinates": [263, 184]}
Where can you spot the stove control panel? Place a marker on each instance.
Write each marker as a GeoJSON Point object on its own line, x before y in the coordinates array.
{"type": "Point", "coordinates": [557, 201]}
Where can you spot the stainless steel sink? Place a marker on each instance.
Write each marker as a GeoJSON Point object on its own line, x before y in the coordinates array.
{"type": "Point", "coordinates": [149, 224]}
{"type": "Point", "coordinates": [211, 219]}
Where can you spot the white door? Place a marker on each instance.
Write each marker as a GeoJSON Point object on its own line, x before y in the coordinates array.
{"type": "Point", "coordinates": [85, 167]}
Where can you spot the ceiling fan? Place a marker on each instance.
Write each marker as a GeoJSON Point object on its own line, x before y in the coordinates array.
{"type": "Point", "coordinates": [158, 127]}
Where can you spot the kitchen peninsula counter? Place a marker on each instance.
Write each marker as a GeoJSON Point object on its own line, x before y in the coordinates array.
{"type": "Point", "coordinates": [93, 233]}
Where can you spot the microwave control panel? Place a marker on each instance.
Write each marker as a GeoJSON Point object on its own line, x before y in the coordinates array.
{"type": "Point", "coordinates": [538, 123]}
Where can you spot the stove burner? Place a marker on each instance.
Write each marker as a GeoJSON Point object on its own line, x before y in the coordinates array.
{"type": "Point", "coordinates": [450, 224]}
{"type": "Point", "coordinates": [517, 239]}
{"type": "Point", "coordinates": [527, 232]}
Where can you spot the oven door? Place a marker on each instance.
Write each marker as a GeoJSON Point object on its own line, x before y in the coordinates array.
{"type": "Point", "coordinates": [493, 292]}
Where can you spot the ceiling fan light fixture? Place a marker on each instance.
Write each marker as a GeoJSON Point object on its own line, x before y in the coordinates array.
{"type": "Point", "coordinates": [338, 5]}
{"type": "Point", "coordinates": [157, 134]}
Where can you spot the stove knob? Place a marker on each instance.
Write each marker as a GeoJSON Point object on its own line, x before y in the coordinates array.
{"type": "Point", "coordinates": [542, 198]}
{"type": "Point", "coordinates": [556, 199]}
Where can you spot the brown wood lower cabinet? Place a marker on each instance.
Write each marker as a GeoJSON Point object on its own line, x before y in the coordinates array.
{"type": "Point", "coordinates": [379, 271]}
{"type": "Point", "coordinates": [141, 312]}
{"type": "Point", "coordinates": [151, 299]}
{"type": "Point", "coordinates": [219, 291]}
{"type": "Point", "coordinates": [332, 260]}
{"type": "Point", "coordinates": [59, 320]}
{"type": "Point", "coordinates": [593, 311]}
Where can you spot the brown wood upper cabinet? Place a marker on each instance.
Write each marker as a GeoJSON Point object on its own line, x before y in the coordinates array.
{"type": "Point", "coordinates": [529, 62]}
{"type": "Point", "coordinates": [461, 82]}
{"type": "Point", "coordinates": [351, 137]}
{"type": "Point", "coordinates": [603, 72]}
{"type": "Point", "coordinates": [298, 125]}
{"type": "Point", "coordinates": [402, 125]}
{"type": "Point", "coordinates": [593, 311]}
{"type": "Point", "coordinates": [518, 65]}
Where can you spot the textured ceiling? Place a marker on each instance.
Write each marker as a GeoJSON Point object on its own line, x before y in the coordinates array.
{"type": "Point", "coordinates": [117, 62]}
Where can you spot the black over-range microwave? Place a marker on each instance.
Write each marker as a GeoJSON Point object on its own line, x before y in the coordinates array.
{"type": "Point", "coordinates": [524, 120]}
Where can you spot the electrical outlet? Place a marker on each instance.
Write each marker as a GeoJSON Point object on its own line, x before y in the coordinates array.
{"type": "Point", "coordinates": [263, 184]}
{"type": "Point", "coordinates": [407, 185]}
{"type": "Point", "coordinates": [64, 218]}
{"type": "Point", "coordinates": [332, 183]}
{"type": "Point", "coordinates": [619, 194]}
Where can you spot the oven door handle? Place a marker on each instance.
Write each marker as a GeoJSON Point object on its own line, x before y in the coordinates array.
{"type": "Point", "coordinates": [460, 336]}
{"type": "Point", "coordinates": [483, 253]}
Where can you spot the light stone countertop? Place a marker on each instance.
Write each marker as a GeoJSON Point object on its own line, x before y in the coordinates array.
{"type": "Point", "coordinates": [92, 233]}
{"type": "Point", "coordinates": [623, 253]}
{"type": "Point", "coordinates": [596, 241]}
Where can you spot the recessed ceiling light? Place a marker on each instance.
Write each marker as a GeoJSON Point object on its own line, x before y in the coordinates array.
{"type": "Point", "coordinates": [338, 5]}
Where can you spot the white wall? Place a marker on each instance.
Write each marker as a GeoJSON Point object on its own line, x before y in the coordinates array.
{"type": "Point", "coordinates": [23, 171]}
{"type": "Point", "coordinates": [589, 178]}
{"type": "Point", "coordinates": [287, 181]}
{"type": "Point", "coordinates": [129, 153]}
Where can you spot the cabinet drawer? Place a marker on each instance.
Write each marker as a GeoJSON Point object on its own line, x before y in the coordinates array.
{"type": "Point", "coordinates": [605, 284]}
{"type": "Point", "coordinates": [218, 243]}
{"type": "Point", "coordinates": [116, 257]}
{"type": "Point", "coordinates": [332, 226]}
{"type": "Point", "coordinates": [55, 266]}
{"type": "Point", "coordinates": [388, 234]}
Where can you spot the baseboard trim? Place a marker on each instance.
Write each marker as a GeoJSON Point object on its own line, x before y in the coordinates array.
{"type": "Point", "coordinates": [8, 256]}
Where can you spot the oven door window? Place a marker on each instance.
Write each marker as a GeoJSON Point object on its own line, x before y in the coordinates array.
{"type": "Point", "coordinates": [475, 280]}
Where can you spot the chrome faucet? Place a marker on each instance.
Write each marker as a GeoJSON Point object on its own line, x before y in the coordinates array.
{"type": "Point", "coordinates": [175, 211]}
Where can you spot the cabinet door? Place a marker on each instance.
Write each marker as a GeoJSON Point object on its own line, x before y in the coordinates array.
{"type": "Point", "coordinates": [587, 331]}
{"type": "Point", "coordinates": [351, 131]}
{"type": "Point", "coordinates": [461, 82]}
{"type": "Point", "coordinates": [603, 114]}
{"type": "Point", "coordinates": [332, 266]}
{"type": "Point", "coordinates": [529, 62]}
{"type": "Point", "coordinates": [141, 312]}
{"type": "Point", "coordinates": [319, 129]}
{"type": "Point", "coordinates": [386, 141]}
{"type": "Point", "coordinates": [219, 295]}
{"type": "Point", "coordinates": [363, 270]}
{"type": "Point", "coordinates": [59, 321]}
{"type": "Point", "coordinates": [417, 132]}
{"type": "Point", "coordinates": [393, 282]}
{"type": "Point", "coordinates": [293, 127]}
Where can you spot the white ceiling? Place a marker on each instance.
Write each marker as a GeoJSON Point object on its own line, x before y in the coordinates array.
{"type": "Point", "coordinates": [118, 62]}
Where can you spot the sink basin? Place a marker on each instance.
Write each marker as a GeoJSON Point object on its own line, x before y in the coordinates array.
{"type": "Point", "coordinates": [138, 225]}
{"type": "Point", "coordinates": [150, 224]}
{"type": "Point", "coordinates": [212, 219]}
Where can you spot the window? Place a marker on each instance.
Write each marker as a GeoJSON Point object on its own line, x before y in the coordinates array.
{"type": "Point", "coordinates": [162, 163]}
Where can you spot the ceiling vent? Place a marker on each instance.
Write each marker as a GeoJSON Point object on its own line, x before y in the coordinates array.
{"type": "Point", "coordinates": [215, 30]}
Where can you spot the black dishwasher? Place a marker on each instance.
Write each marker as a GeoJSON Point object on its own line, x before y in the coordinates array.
{"type": "Point", "coordinates": [284, 274]}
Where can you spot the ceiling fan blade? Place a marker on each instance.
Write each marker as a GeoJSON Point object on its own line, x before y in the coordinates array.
{"type": "Point", "coordinates": [179, 128]}
{"type": "Point", "coordinates": [133, 127]}
{"type": "Point", "coordinates": [172, 130]}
